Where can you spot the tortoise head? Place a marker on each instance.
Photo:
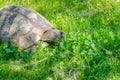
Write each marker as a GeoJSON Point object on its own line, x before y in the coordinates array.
{"type": "Point", "coordinates": [53, 35]}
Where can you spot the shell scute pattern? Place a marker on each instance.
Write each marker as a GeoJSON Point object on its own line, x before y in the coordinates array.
{"type": "Point", "coordinates": [26, 27]}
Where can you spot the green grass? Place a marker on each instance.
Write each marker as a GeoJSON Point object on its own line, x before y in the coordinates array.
{"type": "Point", "coordinates": [90, 50]}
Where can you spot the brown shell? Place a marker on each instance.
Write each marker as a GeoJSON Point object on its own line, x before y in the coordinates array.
{"type": "Point", "coordinates": [22, 25]}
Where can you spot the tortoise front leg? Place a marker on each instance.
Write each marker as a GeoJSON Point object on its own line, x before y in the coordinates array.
{"type": "Point", "coordinates": [33, 48]}
{"type": "Point", "coordinates": [25, 44]}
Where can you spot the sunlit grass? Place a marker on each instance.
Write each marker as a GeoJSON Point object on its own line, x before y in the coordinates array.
{"type": "Point", "coordinates": [90, 50]}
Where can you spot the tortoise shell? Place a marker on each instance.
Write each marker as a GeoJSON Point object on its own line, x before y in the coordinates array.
{"type": "Point", "coordinates": [22, 25]}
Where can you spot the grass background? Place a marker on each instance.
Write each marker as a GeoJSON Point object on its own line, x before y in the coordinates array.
{"type": "Point", "coordinates": [90, 50]}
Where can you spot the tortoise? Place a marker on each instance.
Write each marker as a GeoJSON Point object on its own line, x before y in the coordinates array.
{"type": "Point", "coordinates": [25, 27]}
